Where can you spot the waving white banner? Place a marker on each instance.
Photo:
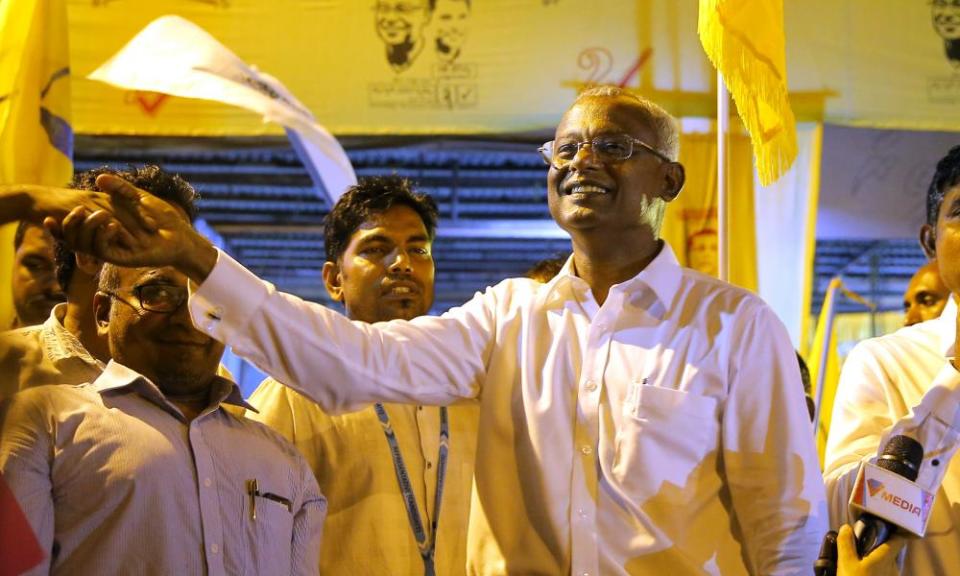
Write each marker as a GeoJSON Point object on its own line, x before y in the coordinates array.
{"type": "Point", "coordinates": [174, 56]}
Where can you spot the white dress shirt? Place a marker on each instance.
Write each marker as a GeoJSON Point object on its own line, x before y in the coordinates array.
{"type": "Point", "coordinates": [664, 432]}
{"type": "Point", "coordinates": [114, 480]}
{"type": "Point", "coordinates": [903, 383]}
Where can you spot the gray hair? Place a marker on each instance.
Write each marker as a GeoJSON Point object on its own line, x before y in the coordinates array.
{"type": "Point", "coordinates": [664, 125]}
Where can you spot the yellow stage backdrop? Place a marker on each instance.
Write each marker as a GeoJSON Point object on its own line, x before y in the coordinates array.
{"type": "Point", "coordinates": [690, 225]}
{"type": "Point", "coordinates": [495, 66]}
{"type": "Point", "coordinates": [514, 65]}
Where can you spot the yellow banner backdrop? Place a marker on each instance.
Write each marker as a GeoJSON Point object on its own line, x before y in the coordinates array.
{"type": "Point", "coordinates": [400, 66]}
{"type": "Point", "coordinates": [690, 225]}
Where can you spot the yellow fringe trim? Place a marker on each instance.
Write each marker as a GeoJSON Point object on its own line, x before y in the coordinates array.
{"type": "Point", "coordinates": [752, 78]}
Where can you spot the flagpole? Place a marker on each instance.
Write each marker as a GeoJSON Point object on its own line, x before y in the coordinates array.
{"type": "Point", "coordinates": [723, 124]}
{"type": "Point", "coordinates": [829, 302]}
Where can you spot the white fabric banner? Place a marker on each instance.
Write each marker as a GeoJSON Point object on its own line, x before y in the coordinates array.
{"type": "Point", "coordinates": [785, 234]}
{"type": "Point", "coordinates": [175, 56]}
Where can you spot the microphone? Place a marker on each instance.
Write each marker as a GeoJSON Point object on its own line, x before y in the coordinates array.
{"type": "Point", "coordinates": [902, 457]}
{"type": "Point", "coordinates": [826, 563]}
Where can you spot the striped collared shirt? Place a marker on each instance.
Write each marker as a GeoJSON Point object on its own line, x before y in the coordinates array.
{"type": "Point", "coordinates": [114, 480]}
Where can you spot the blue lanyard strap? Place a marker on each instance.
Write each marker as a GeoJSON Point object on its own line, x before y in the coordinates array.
{"type": "Point", "coordinates": [426, 543]}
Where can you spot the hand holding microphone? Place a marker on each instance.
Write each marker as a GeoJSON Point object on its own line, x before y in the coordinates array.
{"type": "Point", "coordinates": [889, 499]}
{"type": "Point", "coordinates": [881, 562]}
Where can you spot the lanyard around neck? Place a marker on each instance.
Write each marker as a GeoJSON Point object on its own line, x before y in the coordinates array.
{"type": "Point", "coordinates": [426, 543]}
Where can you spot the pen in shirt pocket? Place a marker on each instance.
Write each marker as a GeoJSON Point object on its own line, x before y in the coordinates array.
{"type": "Point", "coordinates": [253, 491]}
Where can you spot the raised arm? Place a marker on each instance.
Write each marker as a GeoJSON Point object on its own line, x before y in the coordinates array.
{"type": "Point", "coordinates": [344, 365]}
{"type": "Point", "coordinates": [341, 365]}
{"type": "Point", "coordinates": [34, 203]}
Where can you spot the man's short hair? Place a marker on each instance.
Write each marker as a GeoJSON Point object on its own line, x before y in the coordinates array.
{"type": "Point", "coordinates": [21, 233]}
{"type": "Point", "coordinates": [946, 176]}
{"type": "Point", "coordinates": [368, 198]}
{"type": "Point", "coordinates": [150, 177]}
{"type": "Point", "coordinates": [664, 125]}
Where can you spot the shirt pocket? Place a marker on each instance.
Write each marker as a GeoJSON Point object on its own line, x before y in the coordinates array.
{"type": "Point", "coordinates": [270, 534]}
{"type": "Point", "coordinates": [664, 442]}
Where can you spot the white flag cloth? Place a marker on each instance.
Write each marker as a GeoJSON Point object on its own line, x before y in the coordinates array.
{"type": "Point", "coordinates": [175, 56]}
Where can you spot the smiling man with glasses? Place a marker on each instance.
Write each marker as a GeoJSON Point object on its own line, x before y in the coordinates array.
{"type": "Point", "coordinates": [636, 417]}
{"type": "Point", "coordinates": [143, 470]}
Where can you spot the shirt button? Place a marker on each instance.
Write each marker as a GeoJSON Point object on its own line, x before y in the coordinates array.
{"type": "Point", "coordinates": [207, 482]}
{"type": "Point", "coordinates": [429, 464]}
{"type": "Point", "coordinates": [586, 449]}
{"type": "Point", "coordinates": [590, 386]}
{"type": "Point", "coordinates": [214, 548]}
{"type": "Point", "coordinates": [581, 513]}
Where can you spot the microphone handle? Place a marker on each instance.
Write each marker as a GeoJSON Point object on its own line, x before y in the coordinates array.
{"type": "Point", "coordinates": [871, 532]}
{"type": "Point", "coordinates": [826, 563]}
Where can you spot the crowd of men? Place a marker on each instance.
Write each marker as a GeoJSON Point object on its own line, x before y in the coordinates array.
{"type": "Point", "coordinates": [614, 414]}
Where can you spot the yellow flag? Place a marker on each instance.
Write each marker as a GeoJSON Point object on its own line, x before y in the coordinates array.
{"type": "Point", "coordinates": [745, 41]}
{"type": "Point", "coordinates": [823, 358]}
{"type": "Point", "coordinates": [36, 139]}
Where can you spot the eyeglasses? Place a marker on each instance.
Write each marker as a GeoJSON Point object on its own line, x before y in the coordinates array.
{"type": "Point", "coordinates": [160, 298]}
{"type": "Point", "coordinates": [610, 148]}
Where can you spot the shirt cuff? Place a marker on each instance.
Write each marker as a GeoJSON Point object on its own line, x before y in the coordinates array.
{"type": "Point", "coordinates": [227, 299]}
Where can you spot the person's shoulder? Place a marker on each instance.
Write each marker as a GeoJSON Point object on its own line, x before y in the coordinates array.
{"type": "Point", "coordinates": [20, 341]}
{"type": "Point", "coordinates": [703, 290]}
{"type": "Point", "coordinates": [273, 399]}
{"type": "Point", "coordinates": [278, 447]}
{"type": "Point", "coordinates": [915, 342]}
{"type": "Point", "coordinates": [52, 397]}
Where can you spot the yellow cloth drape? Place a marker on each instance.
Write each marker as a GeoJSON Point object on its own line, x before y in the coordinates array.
{"type": "Point", "coordinates": [690, 225]}
{"type": "Point", "coordinates": [745, 41]}
{"type": "Point", "coordinates": [36, 141]}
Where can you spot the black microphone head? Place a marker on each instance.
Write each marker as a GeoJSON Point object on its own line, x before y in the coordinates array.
{"type": "Point", "coordinates": [902, 455]}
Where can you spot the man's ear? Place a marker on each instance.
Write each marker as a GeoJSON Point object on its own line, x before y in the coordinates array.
{"type": "Point", "coordinates": [333, 280]}
{"type": "Point", "coordinates": [101, 313]}
{"type": "Point", "coordinates": [928, 241]}
{"type": "Point", "coordinates": [87, 264]}
{"type": "Point", "coordinates": [673, 179]}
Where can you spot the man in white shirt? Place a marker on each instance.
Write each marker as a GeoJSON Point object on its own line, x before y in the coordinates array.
{"type": "Point", "coordinates": [636, 417]}
{"type": "Point", "coordinates": [379, 241]}
{"type": "Point", "coordinates": [907, 383]}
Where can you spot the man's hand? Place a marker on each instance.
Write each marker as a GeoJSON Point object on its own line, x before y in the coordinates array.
{"type": "Point", "coordinates": [34, 203]}
{"type": "Point", "coordinates": [880, 562]}
{"type": "Point", "coordinates": [136, 229]}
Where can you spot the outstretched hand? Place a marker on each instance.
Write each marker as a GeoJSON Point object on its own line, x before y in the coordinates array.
{"type": "Point", "coordinates": [137, 229]}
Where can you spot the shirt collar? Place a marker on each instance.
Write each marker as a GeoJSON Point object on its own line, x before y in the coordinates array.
{"type": "Point", "coordinates": [116, 376]}
{"type": "Point", "coordinates": [662, 275]}
{"type": "Point", "coordinates": [59, 344]}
